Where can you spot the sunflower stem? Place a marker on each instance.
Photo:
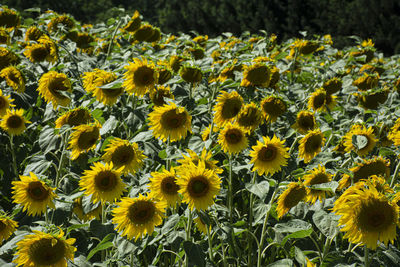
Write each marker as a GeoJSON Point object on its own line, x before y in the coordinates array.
{"type": "Point", "coordinates": [103, 221]}
{"type": "Point", "coordinates": [168, 163]}
{"type": "Point", "coordinates": [250, 225]}
{"type": "Point", "coordinates": [14, 160]}
{"type": "Point", "coordinates": [230, 196]}
{"type": "Point", "coordinates": [366, 259]}
{"type": "Point", "coordinates": [112, 39]}
{"type": "Point", "coordinates": [396, 173]}
{"type": "Point", "coordinates": [188, 229]}
{"type": "Point", "coordinates": [260, 247]}
{"type": "Point", "coordinates": [61, 162]}
{"type": "Point", "coordinates": [210, 253]}
{"type": "Point", "coordinates": [293, 145]}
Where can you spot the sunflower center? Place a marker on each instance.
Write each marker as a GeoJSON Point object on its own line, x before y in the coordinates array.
{"type": "Point", "coordinates": [78, 117]}
{"type": "Point", "coordinates": [198, 186]}
{"type": "Point", "coordinates": [233, 136]}
{"type": "Point", "coordinates": [319, 101]}
{"type": "Point", "coordinates": [56, 85]}
{"type": "Point", "coordinates": [258, 76]}
{"type": "Point", "coordinates": [319, 178]}
{"type": "Point", "coordinates": [171, 119]}
{"type": "Point", "coordinates": [45, 252]}
{"type": "Point", "coordinates": [12, 77]}
{"type": "Point", "coordinates": [2, 226]}
{"type": "Point", "coordinates": [372, 168]}
{"type": "Point", "coordinates": [106, 180]}
{"type": "Point", "coordinates": [376, 216]}
{"type": "Point", "coordinates": [122, 155]}
{"type": "Point", "coordinates": [36, 191]}
{"type": "Point", "coordinates": [294, 197]}
{"type": "Point", "coordinates": [168, 186]}
{"type": "Point", "coordinates": [144, 76]}
{"type": "Point", "coordinates": [313, 144]}
{"type": "Point", "coordinates": [249, 118]}
{"type": "Point", "coordinates": [274, 107]}
{"type": "Point", "coordinates": [3, 102]}
{"type": "Point", "coordinates": [306, 122]}
{"type": "Point", "coordinates": [87, 140]}
{"type": "Point", "coordinates": [141, 212]}
{"type": "Point", "coordinates": [39, 53]}
{"type": "Point", "coordinates": [112, 92]}
{"type": "Point", "coordinates": [267, 153]}
{"type": "Point", "coordinates": [14, 122]}
{"type": "Point", "coordinates": [231, 108]}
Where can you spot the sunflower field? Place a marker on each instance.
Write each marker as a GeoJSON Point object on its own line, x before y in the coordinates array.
{"type": "Point", "coordinates": [125, 146]}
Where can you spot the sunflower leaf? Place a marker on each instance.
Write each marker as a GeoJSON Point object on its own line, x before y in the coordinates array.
{"type": "Point", "coordinates": [260, 190]}
{"type": "Point", "coordinates": [195, 254]}
{"type": "Point", "coordinates": [281, 263]}
{"type": "Point", "coordinates": [104, 244]}
{"type": "Point", "coordinates": [297, 234]}
{"type": "Point", "coordinates": [359, 141]}
{"type": "Point", "coordinates": [326, 223]}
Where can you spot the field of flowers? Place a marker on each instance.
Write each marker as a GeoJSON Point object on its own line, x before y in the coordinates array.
{"type": "Point", "coordinates": [124, 146]}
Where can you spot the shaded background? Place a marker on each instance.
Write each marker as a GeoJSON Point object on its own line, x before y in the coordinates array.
{"type": "Point", "coordinates": [376, 19]}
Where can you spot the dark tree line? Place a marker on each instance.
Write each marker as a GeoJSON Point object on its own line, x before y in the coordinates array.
{"type": "Point", "coordinates": [379, 20]}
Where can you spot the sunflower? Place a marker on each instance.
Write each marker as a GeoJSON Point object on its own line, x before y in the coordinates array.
{"type": "Point", "coordinates": [227, 108]}
{"type": "Point", "coordinates": [205, 156]}
{"type": "Point", "coordinates": [123, 154]}
{"type": "Point", "coordinates": [311, 144]}
{"type": "Point", "coordinates": [294, 193]}
{"type": "Point", "coordinates": [80, 212]}
{"type": "Point", "coordinates": [205, 134]}
{"type": "Point", "coordinates": [360, 139]}
{"type": "Point", "coordinates": [273, 107]}
{"type": "Point", "coordinates": [333, 85]}
{"type": "Point", "coordinates": [201, 226]}
{"type": "Point", "coordinates": [7, 227]}
{"type": "Point", "coordinates": [257, 74]}
{"type": "Point", "coordinates": [306, 47]}
{"type": "Point", "coordinates": [392, 134]}
{"type": "Point", "coordinates": [376, 166]}
{"type": "Point", "coordinates": [305, 121]}
{"type": "Point", "coordinates": [268, 157]}
{"type": "Point", "coordinates": [368, 216]}
{"type": "Point", "coordinates": [140, 77]}
{"type": "Point", "coordinates": [7, 58]}
{"type": "Point", "coordinates": [314, 177]}
{"type": "Point", "coordinates": [4, 36]}
{"type": "Point", "coordinates": [136, 217]}
{"type": "Point", "coordinates": [53, 87]}
{"type": "Point", "coordinates": [198, 186]}
{"type": "Point", "coordinates": [163, 186]}
{"type": "Point", "coordinates": [93, 82]}
{"type": "Point", "coordinates": [232, 138]}
{"type": "Point", "coordinates": [144, 33]}
{"type": "Point", "coordinates": [83, 139]}
{"type": "Point", "coordinates": [84, 42]}
{"type": "Point", "coordinates": [249, 117]}
{"type": "Point", "coordinates": [14, 122]}
{"type": "Point", "coordinates": [175, 62]}
{"type": "Point", "coordinates": [164, 72]}
{"type": "Point", "coordinates": [14, 78]}
{"type": "Point", "coordinates": [367, 81]}
{"type": "Point", "coordinates": [66, 21]}
{"type": "Point", "coordinates": [191, 74]}
{"type": "Point", "coordinates": [34, 195]}
{"type": "Point", "coordinates": [170, 122]}
{"type": "Point", "coordinates": [9, 18]}
{"type": "Point", "coordinates": [134, 23]}
{"type": "Point", "coordinates": [371, 100]}
{"type": "Point", "coordinates": [44, 50]}
{"type": "Point", "coordinates": [103, 182]}
{"type": "Point", "coordinates": [33, 33]}
{"type": "Point", "coordinates": [157, 96]}
{"type": "Point", "coordinates": [5, 104]}
{"type": "Point", "coordinates": [156, 35]}
{"type": "Point", "coordinates": [74, 117]}
{"type": "Point", "coordinates": [43, 249]}
{"type": "Point", "coordinates": [317, 100]}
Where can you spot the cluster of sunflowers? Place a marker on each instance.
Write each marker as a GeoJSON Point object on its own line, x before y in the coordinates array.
{"type": "Point", "coordinates": [122, 138]}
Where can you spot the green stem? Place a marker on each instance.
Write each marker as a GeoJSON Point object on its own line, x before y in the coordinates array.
{"type": "Point", "coordinates": [293, 145]}
{"type": "Point", "coordinates": [396, 173]}
{"type": "Point", "coordinates": [112, 39]}
{"type": "Point", "coordinates": [317, 246]}
{"type": "Point", "coordinates": [14, 159]}
{"type": "Point", "coordinates": [188, 230]}
{"type": "Point", "coordinates": [250, 225]}
{"type": "Point", "coordinates": [230, 193]}
{"type": "Point", "coordinates": [168, 163]}
{"type": "Point", "coordinates": [103, 221]}
{"type": "Point", "coordinates": [61, 162]}
{"type": "Point", "coordinates": [260, 247]}
{"type": "Point", "coordinates": [366, 259]}
{"type": "Point", "coordinates": [210, 253]}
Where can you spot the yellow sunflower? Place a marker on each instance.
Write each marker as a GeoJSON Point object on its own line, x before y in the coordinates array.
{"type": "Point", "coordinates": [294, 193]}
{"type": "Point", "coordinates": [33, 33]}
{"type": "Point", "coordinates": [205, 156]}
{"type": "Point", "coordinates": [158, 95]}
{"type": "Point", "coordinates": [367, 81]}
{"type": "Point", "coordinates": [53, 87]}
{"type": "Point", "coordinates": [7, 227]}
{"type": "Point", "coordinates": [227, 108]}
{"type": "Point", "coordinates": [305, 121]}
{"type": "Point", "coordinates": [314, 177]}
{"type": "Point", "coordinates": [79, 211]}
{"type": "Point", "coordinates": [93, 81]}
{"type": "Point", "coordinates": [66, 22]}
{"type": "Point", "coordinates": [175, 62]}
{"type": "Point", "coordinates": [9, 18]}
{"type": "Point", "coordinates": [360, 139]}
{"type": "Point", "coordinates": [191, 74]}
{"type": "Point", "coordinates": [198, 186]}
{"type": "Point", "coordinates": [140, 77]}
{"type": "Point", "coordinates": [163, 186]}
{"type": "Point", "coordinates": [257, 74]}
{"type": "Point", "coordinates": [232, 139]}
{"type": "Point", "coordinates": [144, 33]}
{"type": "Point", "coordinates": [14, 78]}
{"type": "Point", "coordinates": [392, 134]}
{"type": "Point", "coordinates": [14, 122]}
{"type": "Point", "coordinates": [206, 132]}
{"type": "Point", "coordinates": [84, 138]}
{"type": "Point", "coordinates": [124, 154]}
{"type": "Point", "coordinates": [43, 249]}
{"type": "Point", "coordinates": [84, 42]}
{"type": "Point", "coordinates": [5, 103]}
{"type": "Point", "coordinates": [311, 144]}
{"type": "Point", "coordinates": [7, 58]}
{"type": "Point", "coordinates": [74, 117]}
{"type": "Point", "coordinates": [268, 157]}
{"type": "Point", "coordinates": [33, 195]}
{"type": "Point", "coordinates": [368, 217]}
{"type": "Point", "coordinates": [201, 226]}
{"type": "Point", "coordinates": [317, 100]}
{"type": "Point", "coordinates": [134, 23]}
{"type": "Point", "coordinates": [44, 50]}
{"type": "Point", "coordinates": [250, 117]}
{"type": "Point", "coordinates": [103, 183]}
{"type": "Point", "coordinates": [136, 217]}
{"type": "Point", "coordinates": [170, 122]}
{"type": "Point", "coordinates": [332, 85]}
{"type": "Point", "coordinates": [273, 107]}
{"type": "Point", "coordinates": [4, 36]}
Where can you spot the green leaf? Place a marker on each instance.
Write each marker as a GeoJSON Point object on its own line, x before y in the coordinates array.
{"type": "Point", "coordinates": [260, 189]}
{"type": "Point", "coordinates": [359, 141]}
{"type": "Point", "coordinates": [292, 226]}
{"type": "Point", "coordinates": [104, 244]}
{"type": "Point", "coordinates": [299, 256]}
{"type": "Point", "coordinates": [162, 154]}
{"type": "Point", "coordinates": [109, 125]}
{"type": "Point", "coordinates": [298, 234]}
{"type": "Point", "coordinates": [281, 263]}
{"type": "Point", "coordinates": [330, 187]}
{"type": "Point", "coordinates": [77, 226]}
{"type": "Point", "coordinates": [195, 254]}
{"type": "Point", "coordinates": [326, 223]}
{"type": "Point", "coordinates": [113, 85]}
